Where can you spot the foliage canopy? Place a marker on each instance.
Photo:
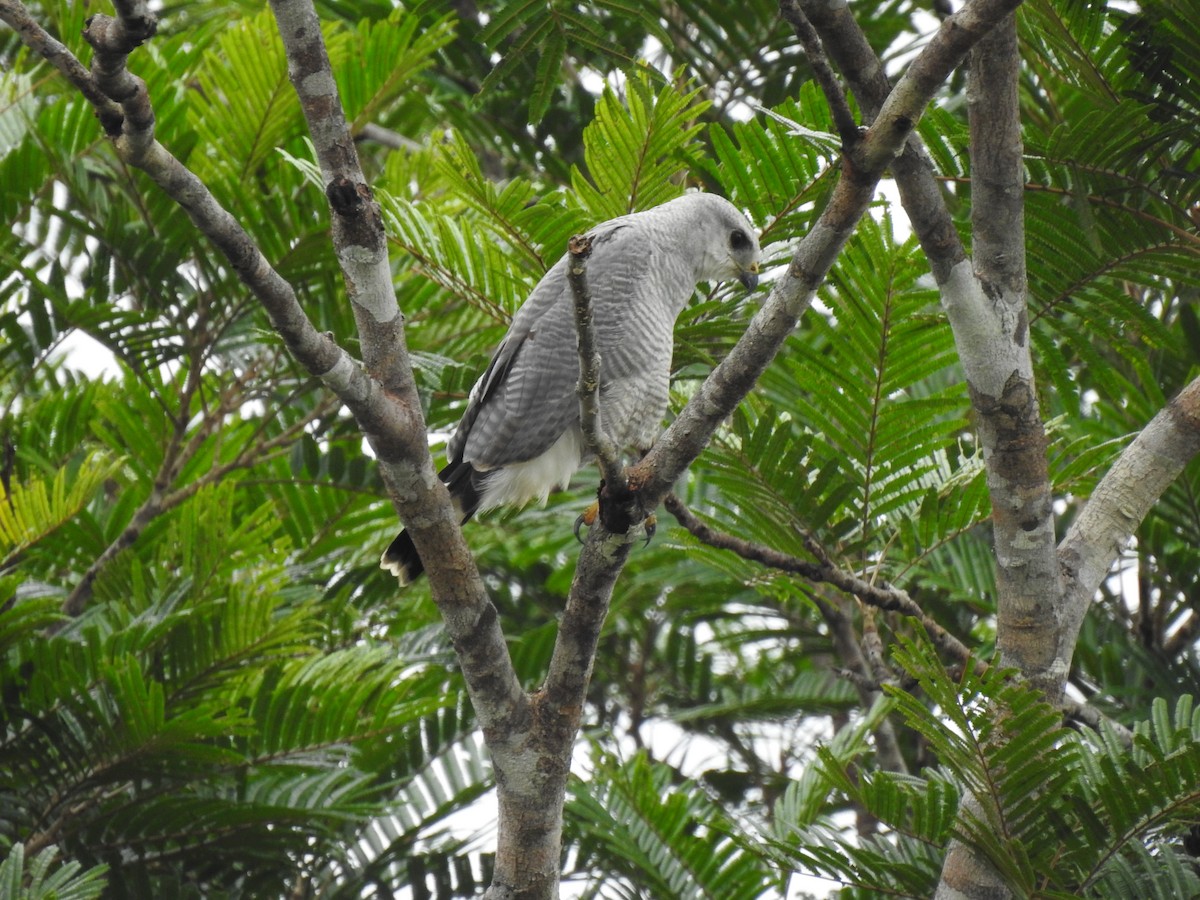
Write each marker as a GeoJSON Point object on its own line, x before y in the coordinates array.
{"type": "Point", "coordinates": [247, 708]}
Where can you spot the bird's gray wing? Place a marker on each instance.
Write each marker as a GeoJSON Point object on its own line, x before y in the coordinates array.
{"type": "Point", "coordinates": [527, 398]}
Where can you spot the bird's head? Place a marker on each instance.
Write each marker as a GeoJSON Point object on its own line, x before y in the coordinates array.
{"type": "Point", "coordinates": [744, 253]}
{"type": "Point", "coordinates": [729, 243]}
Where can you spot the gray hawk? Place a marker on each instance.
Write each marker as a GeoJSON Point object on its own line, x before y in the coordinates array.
{"type": "Point", "coordinates": [520, 437]}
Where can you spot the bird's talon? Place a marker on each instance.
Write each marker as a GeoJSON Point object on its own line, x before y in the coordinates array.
{"type": "Point", "coordinates": [586, 518]}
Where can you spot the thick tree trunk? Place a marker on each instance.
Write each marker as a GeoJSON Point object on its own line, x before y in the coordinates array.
{"type": "Point", "coordinates": [992, 331]}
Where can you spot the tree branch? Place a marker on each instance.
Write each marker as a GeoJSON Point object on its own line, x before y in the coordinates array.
{"type": "Point", "coordinates": [393, 140]}
{"type": "Point", "coordinates": [17, 17]}
{"type": "Point", "coordinates": [558, 711]}
{"type": "Point", "coordinates": [162, 499]}
{"type": "Point", "coordinates": [905, 104]}
{"type": "Point", "coordinates": [596, 441]}
{"type": "Point", "coordinates": [835, 97]}
{"type": "Point", "coordinates": [357, 223]}
{"type": "Point", "coordinates": [136, 146]}
{"type": "Point", "coordinates": [990, 319]}
{"type": "Point", "coordinates": [529, 837]}
{"type": "Point", "coordinates": [361, 247]}
{"type": "Point", "coordinates": [866, 672]}
{"type": "Point", "coordinates": [604, 554]}
{"type": "Point", "coordinates": [1102, 529]}
{"type": "Point", "coordinates": [1092, 718]}
{"type": "Point", "coordinates": [857, 669]}
{"type": "Point", "coordinates": [396, 428]}
{"type": "Point", "coordinates": [1000, 374]}
{"type": "Point", "coordinates": [987, 314]}
{"type": "Point", "coordinates": [132, 132]}
{"type": "Point", "coordinates": [1122, 499]}
{"type": "Point", "coordinates": [401, 446]}
{"type": "Point", "coordinates": [791, 295]}
{"type": "Point", "coordinates": [847, 46]}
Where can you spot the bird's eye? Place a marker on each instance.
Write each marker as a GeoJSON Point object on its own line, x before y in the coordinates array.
{"type": "Point", "coordinates": [738, 240]}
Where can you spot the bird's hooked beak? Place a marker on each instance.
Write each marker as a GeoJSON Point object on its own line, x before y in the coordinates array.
{"type": "Point", "coordinates": [749, 277]}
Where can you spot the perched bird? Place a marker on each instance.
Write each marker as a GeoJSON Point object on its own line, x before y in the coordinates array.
{"type": "Point", "coordinates": [520, 437]}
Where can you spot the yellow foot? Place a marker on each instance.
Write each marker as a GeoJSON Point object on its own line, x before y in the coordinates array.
{"type": "Point", "coordinates": [586, 518]}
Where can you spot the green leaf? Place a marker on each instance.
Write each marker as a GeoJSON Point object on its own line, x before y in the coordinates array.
{"type": "Point", "coordinates": [636, 149]}
{"type": "Point", "coordinates": [31, 511]}
{"type": "Point", "coordinates": [44, 878]}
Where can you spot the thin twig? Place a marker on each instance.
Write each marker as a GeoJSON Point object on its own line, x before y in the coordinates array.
{"type": "Point", "coordinates": [393, 140]}
{"type": "Point", "coordinates": [880, 595]}
{"type": "Point", "coordinates": [162, 500]}
{"type": "Point", "coordinates": [16, 16]}
{"type": "Point", "coordinates": [839, 107]}
{"type": "Point", "coordinates": [579, 249]}
{"type": "Point", "coordinates": [872, 647]}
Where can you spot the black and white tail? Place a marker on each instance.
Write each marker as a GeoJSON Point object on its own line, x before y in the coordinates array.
{"type": "Point", "coordinates": [465, 485]}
